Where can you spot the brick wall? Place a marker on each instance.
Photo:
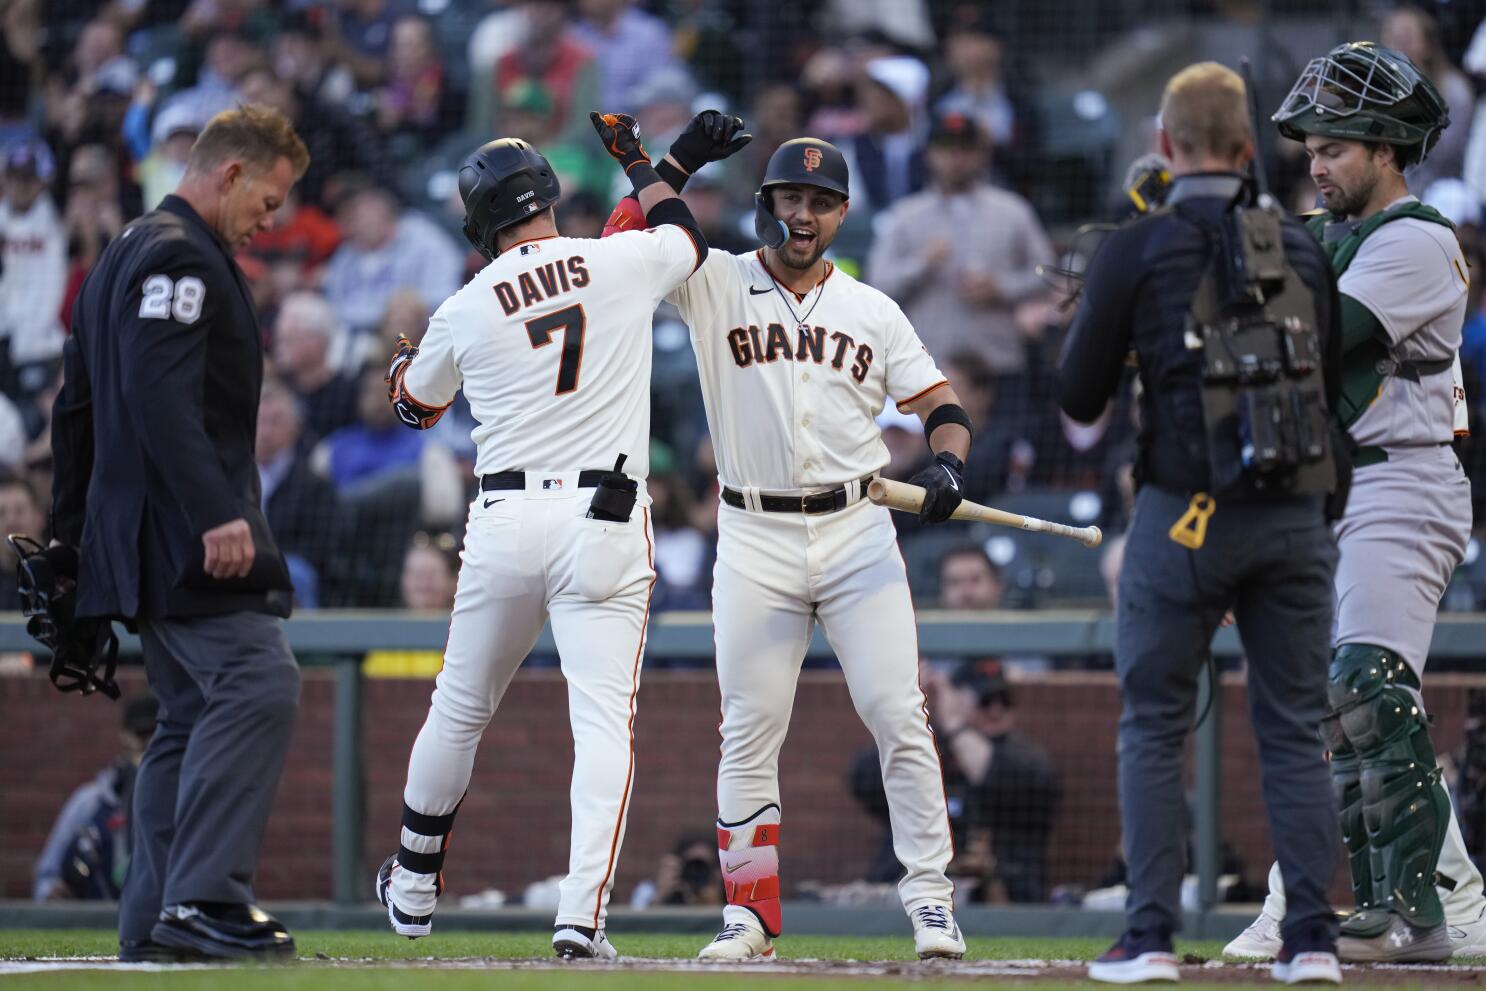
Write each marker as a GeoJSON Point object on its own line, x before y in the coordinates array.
{"type": "Point", "coordinates": [513, 827]}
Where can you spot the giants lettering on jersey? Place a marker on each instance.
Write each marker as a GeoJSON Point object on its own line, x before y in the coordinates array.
{"type": "Point", "coordinates": [542, 283]}
{"type": "Point", "coordinates": [753, 346]}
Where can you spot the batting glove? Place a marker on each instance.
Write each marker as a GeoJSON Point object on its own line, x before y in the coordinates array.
{"type": "Point", "coordinates": [621, 136]}
{"type": "Point", "coordinates": [710, 137]}
{"type": "Point", "coordinates": [403, 357]}
{"type": "Point", "coordinates": [942, 485]}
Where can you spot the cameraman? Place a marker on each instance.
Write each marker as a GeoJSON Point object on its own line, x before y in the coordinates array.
{"type": "Point", "coordinates": [1226, 517]}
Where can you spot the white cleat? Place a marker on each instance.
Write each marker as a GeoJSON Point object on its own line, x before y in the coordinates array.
{"type": "Point", "coordinates": [570, 944]}
{"type": "Point", "coordinates": [936, 936]}
{"type": "Point", "coordinates": [738, 943]}
{"type": "Point", "coordinates": [411, 926]}
{"type": "Point", "coordinates": [1469, 938]}
{"type": "Point", "coordinates": [1311, 967]}
{"type": "Point", "coordinates": [1261, 941]}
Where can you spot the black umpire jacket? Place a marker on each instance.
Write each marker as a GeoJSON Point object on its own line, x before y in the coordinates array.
{"type": "Point", "coordinates": [153, 433]}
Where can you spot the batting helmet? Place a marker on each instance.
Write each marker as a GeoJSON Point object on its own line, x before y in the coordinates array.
{"type": "Point", "coordinates": [801, 162]}
{"type": "Point", "coordinates": [1361, 91]}
{"type": "Point", "coordinates": [502, 183]}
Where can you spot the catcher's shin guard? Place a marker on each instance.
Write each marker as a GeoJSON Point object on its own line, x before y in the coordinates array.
{"type": "Point", "coordinates": [749, 853]}
{"type": "Point", "coordinates": [1404, 805]}
{"type": "Point", "coordinates": [1346, 784]}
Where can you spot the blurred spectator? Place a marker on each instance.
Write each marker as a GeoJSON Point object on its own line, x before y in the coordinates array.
{"type": "Point", "coordinates": [887, 159]}
{"type": "Point", "coordinates": [172, 134]}
{"type": "Point", "coordinates": [97, 204]}
{"type": "Point", "coordinates": [1416, 33]}
{"type": "Point", "coordinates": [87, 851]}
{"type": "Point", "coordinates": [336, 142]}
{"type": "Point", "coordinates": [968, 579]}
{"type": "Point", "coordinates": [406, 315]}
{"type": "Point", "coordinates": [20, 512]}
{"type": "Point", "coordinates": [385, 249]}
{"type": "Point", "coordinates": [961, 256]}
{"type": "Point", "coordinates": [903, 22]}
{"type": "Point", "coordinates": [549, 54]}
{"type": "Point", "coordinates": [777, 116]}
{"type": "Point", "coordinates": [300, 54]}
{"type": "Point", "coordinates": [706, 195]}
{"type": "Point", "coordinates": [430, 574]}
{"type": "Point", "coordinates": [304, 336]}
{"type": "Point", "coordinates": [975, 53]}
{"type": "Point", "coordinates": [374, 445]}
{"type": "Point", "coordinates": [688, 875]}
{"type": "Point", "coordinates": [20, 36]}
{"type": "Point", "coordinates": [629, 44]}
{"type": "Point", "coordinates": [300, 506]}
{"type": "Point", "coordinates": [662, 103]}
{"type": "Point", "coordinates": [230, 53]}
{"type": "Point", "coordinates": [683, 554]}
{"type": "Point", "coordinates": [291, 255]}
{"type": "Point", "coordinates": [418, 103]}
{"type": "Point", "coordinates": [583, 214]}
{"type": "Point", "coordinates": [361, 35]}
{"type": "Point", "coordinates": [705, 35]}
{"type": "Point", "coordinates": [1001, 453]}
{"type": "Point", "coordinates": [34, 277]}
{"type": "Point", "coordinates": [527, 112]}
{"type": "Point", "coordinates": [12, 435]}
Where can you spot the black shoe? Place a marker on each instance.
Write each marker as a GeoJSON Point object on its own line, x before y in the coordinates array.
{"type": "Point", "coordinates": [149, 951]}
{"type": "Point", "coordinates": [224, 930]}
{"type": "Point", "coordinates": [1139, 955]}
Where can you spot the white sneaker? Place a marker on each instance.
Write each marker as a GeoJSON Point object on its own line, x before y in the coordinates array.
{"type": "Point", "coordinates": [1469, 938]}
{"type": "Point", "coordinates": [739, 942]}
{"type": "Point", "coordinates": [570, 944]}
{"type": "Point", "coordinates": [1306, 968]}
{"type": "Point", "coordinates": [935, 934]}
{"type": "Point", "coordinates": [411, 926]}
{"type": "Point", "coordinates": [1261, 941]}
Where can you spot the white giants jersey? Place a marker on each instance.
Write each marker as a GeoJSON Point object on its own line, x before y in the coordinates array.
{"type": "Point", "coordinates": [551, 342]}
{"type": "Point", "coordinates": [792, 383]}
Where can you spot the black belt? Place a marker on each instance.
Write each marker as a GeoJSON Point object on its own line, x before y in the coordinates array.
{"type": "Point", "coordinates": [815, 504]}
{"type": "Point", "coordinates": [587, 479]}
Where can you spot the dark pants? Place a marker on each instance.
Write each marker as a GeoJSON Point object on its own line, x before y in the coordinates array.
{"type": "Point", "coordinates": [229, 689]}
{"type": "Point", "coordinates": [1273, 565]}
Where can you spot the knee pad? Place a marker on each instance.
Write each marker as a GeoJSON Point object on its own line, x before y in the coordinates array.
{"type": "Point", "coordinates": [749, 854]}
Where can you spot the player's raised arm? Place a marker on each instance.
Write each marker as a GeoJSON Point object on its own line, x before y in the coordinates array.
{"type": "Point", "coordinates": [710, 137]}
{"type": "Point", "coordinates": [620, 134]}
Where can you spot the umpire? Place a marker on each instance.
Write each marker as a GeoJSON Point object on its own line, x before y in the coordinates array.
{"type": "Point", "coordinates": [157, 488]}
{"type": "Point", "coordinates": [1231, 311]}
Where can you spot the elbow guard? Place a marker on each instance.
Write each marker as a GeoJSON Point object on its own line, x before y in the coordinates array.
{"type": "Point", "coordinates": [948, 413]}
{"type": "Point", "coordinates": [409, 410]}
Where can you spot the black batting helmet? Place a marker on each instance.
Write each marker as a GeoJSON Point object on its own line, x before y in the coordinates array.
{"type": "Point", "coordinates": [502, 183]}
{"type": "Point", "coordinates": [801, 162]}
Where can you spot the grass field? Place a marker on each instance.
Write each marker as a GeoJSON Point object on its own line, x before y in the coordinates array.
{"type": "Point", "coordinates": [370, 961]}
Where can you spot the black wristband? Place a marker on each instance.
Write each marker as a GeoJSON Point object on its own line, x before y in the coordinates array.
{"type": "Point", "coordinates": [948, 413]}
{"type": "Point", "coordinates": [641, 176]}
{"type": "Point", "coordinates": [672, 175]}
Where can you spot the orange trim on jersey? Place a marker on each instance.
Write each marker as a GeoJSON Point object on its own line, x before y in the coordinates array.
{"type": "Point", "coordinates": [694, 247]}
{"type": "Point", "coordinates": [919, 395]}
{"type": "Point", "coordinates": [598, 902]}
{"type": "Point", "coordinates": [799, 296]}
{"type": "Point", "coordinates": [528, 240]}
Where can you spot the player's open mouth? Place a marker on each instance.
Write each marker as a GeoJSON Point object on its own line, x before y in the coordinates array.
{"type": "Point", "coordinates": [801, 237]}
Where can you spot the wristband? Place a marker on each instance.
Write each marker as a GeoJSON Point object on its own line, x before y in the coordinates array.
{"type": "Point", "coordinates": [672, 175]}
{"type": "Point", "coordinates": [948, 413]}
{"type": "Point", "coordinates": [642, 175]}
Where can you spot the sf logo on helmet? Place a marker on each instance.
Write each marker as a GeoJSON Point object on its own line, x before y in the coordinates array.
{"type": "Point", "coordinates": [812, 159]}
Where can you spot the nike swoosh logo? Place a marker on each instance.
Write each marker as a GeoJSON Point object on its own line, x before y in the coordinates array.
{"type": "Point", "coordinates": [492, 502]}
{"type": "Point", "coordinates": [952, 483]}
{"type": "Point", "coordinates": [738, 867]}
{"type": "Point", "coordinates": [758, 292]}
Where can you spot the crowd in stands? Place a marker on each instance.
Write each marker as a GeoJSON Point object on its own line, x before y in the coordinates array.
{"type": "Point", "coordinates": [957, 213]}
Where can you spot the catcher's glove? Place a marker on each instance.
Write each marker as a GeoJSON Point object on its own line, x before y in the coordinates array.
{"type": "Point", "coordinates": [46, 579]}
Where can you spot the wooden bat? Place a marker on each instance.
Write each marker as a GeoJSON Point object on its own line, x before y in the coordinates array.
{"type": "Point", "coordinates": [910, 499]}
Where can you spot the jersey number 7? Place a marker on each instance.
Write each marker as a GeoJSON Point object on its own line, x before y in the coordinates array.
{"type": "Point", "coordinates": [571, 321]}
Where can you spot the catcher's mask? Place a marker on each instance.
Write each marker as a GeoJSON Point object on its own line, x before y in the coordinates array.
{"type": "Point", "coordinates": [46, 580]}
{"type": "Point", "coordinates": [801, 162]}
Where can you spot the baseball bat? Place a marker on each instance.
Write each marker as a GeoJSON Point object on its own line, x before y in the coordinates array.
{"type": "Point", "coordinates": [910, 499]}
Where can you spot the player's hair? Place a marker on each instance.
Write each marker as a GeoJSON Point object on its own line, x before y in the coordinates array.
{"type": "Point", "coordinates": [1204, 111]}
{"type": "Point", "coordinates": [256, 135]}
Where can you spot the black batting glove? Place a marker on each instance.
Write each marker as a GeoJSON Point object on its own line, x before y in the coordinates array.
{"type": "Point", "coordinates": [621, 136]}
{"type": "Point", "coordinates": [710, 137]}
{"type": "Point", "coordinates": [942, 487]}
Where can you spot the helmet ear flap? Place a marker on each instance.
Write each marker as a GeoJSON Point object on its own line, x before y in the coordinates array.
{"type": "Point", "coordinates": [476, 241]}
{"type": "Point", "coordinates": [769, 228]}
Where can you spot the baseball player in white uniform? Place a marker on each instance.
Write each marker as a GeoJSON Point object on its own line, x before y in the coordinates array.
{"type": "Point", "coordinates": [796, 358]}
{"type": "Point", "coordinates": [1365, 113]}
{"type": "Point", "coordinates": [551, 344]}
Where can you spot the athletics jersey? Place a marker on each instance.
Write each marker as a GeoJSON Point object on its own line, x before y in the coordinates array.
{"type": "Point", "coordinates": [551, 342]}
{"type": "Point", "coordinates": [792, 383]}
{"type": "Point", "coordinates": [1410, 274]}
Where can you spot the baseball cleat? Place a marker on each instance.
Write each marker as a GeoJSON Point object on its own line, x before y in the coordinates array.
{"type": "Point", "coordinates": [582, 943]}
{"type": "Point", "coordinates": [936, 935]}
{"type": "Point", "coordinates": [1138, 956]}
{"type": "Point", "coordinates": [1261, 941]}
{"type": "Point", "coordinates": [1309, 967]}
{"type": "Point", "coordinates": [737, 943]}
{"type": "Point", "coordinates": [1399, 942]}
{"type": "Point", "coordinates": [1468, 939]}
{"type": "Point", "coordinates": [411, 926]}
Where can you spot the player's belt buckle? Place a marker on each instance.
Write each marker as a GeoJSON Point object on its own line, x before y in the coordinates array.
{"type": "Point", "coordinates": [823, 502]}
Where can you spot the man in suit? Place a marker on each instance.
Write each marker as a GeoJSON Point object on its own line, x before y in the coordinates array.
{"type": "Point", "coordinates": [157, 487]}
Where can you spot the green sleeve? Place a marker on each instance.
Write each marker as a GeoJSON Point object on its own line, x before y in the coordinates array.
{"type": "Point", "coordinates": [1359, 325]}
